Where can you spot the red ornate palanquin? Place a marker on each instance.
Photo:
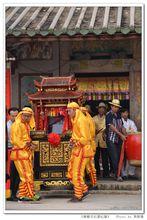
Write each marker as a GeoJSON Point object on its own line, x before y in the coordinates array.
{"type": "Point", "coordinates": [50, 101]}
{"type": "Point", "coordinates": [52, 97]}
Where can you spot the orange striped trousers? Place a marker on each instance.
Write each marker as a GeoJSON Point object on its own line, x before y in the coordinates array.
{"type": "Point", "coordinates": [25, 170]}
{"type": "Point", "coordinates": [90, 169]}
{"type": "Point", "coordinates": [76, 172]}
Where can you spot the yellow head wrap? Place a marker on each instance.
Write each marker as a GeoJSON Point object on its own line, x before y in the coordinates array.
{"type": "Point", "coordinates": [73, 105]}
{"type": "Point", "coordinates": [27, 110]}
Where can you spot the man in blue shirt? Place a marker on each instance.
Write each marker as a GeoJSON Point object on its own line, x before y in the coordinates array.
{"type": "Point", "coordinates": [115, 134]}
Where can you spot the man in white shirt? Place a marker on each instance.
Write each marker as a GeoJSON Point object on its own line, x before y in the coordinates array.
{"type": "Point", "coordinates": [13, 112]}
{"type": "Point", "coordinates": [128, 171]}
{"type": "Point", "coordinates": [14, 176]}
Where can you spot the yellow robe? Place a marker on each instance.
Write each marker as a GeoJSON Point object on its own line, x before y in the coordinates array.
{"type": "Point", "coordinates": [81, 135]}
{"type": "Point", "coordinates": [22, 157]}
{"type": "Point", "coordinates": [90, 167]}
{"type": "Point", "coordinates": [81, 153]}
{"type": "Point", "coordinates": [92, 130]}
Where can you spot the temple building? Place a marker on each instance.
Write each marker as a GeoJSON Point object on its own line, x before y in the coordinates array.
{"type": "Point", "coordinates": [59, 54]}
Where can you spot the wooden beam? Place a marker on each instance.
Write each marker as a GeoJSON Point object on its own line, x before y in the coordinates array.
{"type": "Point", "coordinates": [11, 14]}
{"type": "Point", "coordinates": [19, 18]}
{"type": "Point", "coordinates": [44, 18]}
{"type": "Point", "coordinates": [93, 18]}
{"type": "Point", "coordinates": [80, 18]}
{"type": "Point", "coordinates": [69, 17]}
{"type": "Point", "coordinates": [34, 15]}
{"type": "Point", "coordinates": [65, 38]}
{"type": "Point", "coordinates": [56, 18]}
{"type": "Point", "coordinates": [119, 17]}
{"type": "Point", "coordinates": [106, 17]}
{"type": "Point", "coordinates": [132, 16]}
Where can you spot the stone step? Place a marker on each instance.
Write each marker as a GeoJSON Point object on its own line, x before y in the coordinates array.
{"type": "Point", "coordinates": [114, 185]}
{"type": "Point", "coordinates": [69, 193]}
{"type": "Point", "coordinates": [103, 187]}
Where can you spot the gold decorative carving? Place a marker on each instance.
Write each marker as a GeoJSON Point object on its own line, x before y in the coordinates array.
{"type": "Point", "coordinates": [66, 174]}
{"type": "Point", "coordinates": [38, 134]}
{"type": "Point", "coordinates": [37, 145]}
{"type": "Point", "coordinates": [56, 154]}
{"type": "Point", "coordinates": [57, 183]}
{"type": "Point", "coordinates": [37, 185]}
{"type": "Point", "coordinates": [56, 174]}
{"type": "Point", "coordinates": [44, 153]}
{"type": "Point", "coordinates": [44, 175]}
{"type": "Point", "coordinates": [50, 156]}
{"type": "Point", "coordinates": [67, 152]}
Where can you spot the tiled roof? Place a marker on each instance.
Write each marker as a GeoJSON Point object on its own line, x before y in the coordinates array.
{"type": "Point", "coordinates": [72, 20]}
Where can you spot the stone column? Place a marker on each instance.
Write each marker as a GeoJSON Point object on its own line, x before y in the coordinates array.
{"type": "Point", "coordinates": [135, 79]}
{"type": "Point", "coordinates": [135, 97]}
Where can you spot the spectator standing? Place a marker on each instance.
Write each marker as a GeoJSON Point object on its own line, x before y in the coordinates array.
{"type": "Point", "coordinates": [115, 135]}
{"type": "Point", "coordinates": [101, 149]}
{"type": "Point", "coordinates": [14, 176]}
{"type": "Point", "coordinates": [128, 171]}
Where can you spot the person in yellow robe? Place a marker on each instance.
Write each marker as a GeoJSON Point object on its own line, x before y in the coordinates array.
{"type": "Point", "coordinates": [90, 167]}
{"type": "Point", "coordinates": [22, 153]}
{"type": "Point", "coordinates": [81, 151]}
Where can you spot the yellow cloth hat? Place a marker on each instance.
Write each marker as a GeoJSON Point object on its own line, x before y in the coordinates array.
{"type": "Point", "coordinates": [73, 105]}
{"type": "Point", "coordinates": [27, 110]}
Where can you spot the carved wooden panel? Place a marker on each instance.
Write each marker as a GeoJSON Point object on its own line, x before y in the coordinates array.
{"type": "Point", "coordinates": [51, 156]}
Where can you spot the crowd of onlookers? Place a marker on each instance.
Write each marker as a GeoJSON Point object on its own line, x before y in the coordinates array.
{"type": "Point", "coordinates": [111, 129]}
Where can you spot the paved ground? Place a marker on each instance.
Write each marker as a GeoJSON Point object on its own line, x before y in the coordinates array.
{"type": "Point", "coordinates": [94, 202]}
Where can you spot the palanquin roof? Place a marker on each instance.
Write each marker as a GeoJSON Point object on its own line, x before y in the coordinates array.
{"type": "Point", "coordinates": [56, 89]}
{"type": "Point", "coordinates": [55, 95]}
{"type": "Point", "coordinates": [68, 82]}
